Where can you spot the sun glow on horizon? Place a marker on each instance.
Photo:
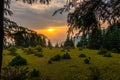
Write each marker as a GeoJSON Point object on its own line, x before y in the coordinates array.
{"type": "Point", "coordinates": [55, 34]}
{"type": "Point", "coordinates": [51, 30]}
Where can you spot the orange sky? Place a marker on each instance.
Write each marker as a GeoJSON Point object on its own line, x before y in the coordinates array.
{"type": "Point", "coordinates": [39, 18]}
{"type": "Point", "coordinates": [55, 34]}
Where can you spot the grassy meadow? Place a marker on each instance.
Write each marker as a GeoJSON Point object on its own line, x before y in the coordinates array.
{"type": "Point", "coordinates": [107, 68]}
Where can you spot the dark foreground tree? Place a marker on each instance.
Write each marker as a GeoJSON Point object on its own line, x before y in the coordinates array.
{"type": "Point", "coordinates": [86, 15]}
{"type": "Point", "coordinates": [4, 9]}
{"type": "Point", "coordinates": [1, 32]}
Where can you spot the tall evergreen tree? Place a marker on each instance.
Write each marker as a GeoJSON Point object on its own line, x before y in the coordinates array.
{"type": "Point", "coordinates": [83, 42]}
{"type": "Point", "coordinates": [49, 44]}
{"type": "Point", "coordinates": [69, 42]}
{"type": "Point", "coordinates": [95, 39]}
{"type": "Point", "coordinates": [56, 45]}
{"type": "Point", "coordinates": [112, 37]}
{"type": "Point", "coordinates": [1, 32]}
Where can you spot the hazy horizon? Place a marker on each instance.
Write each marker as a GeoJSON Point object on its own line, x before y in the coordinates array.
{"type": "Point", "coordinates": [39, 18]}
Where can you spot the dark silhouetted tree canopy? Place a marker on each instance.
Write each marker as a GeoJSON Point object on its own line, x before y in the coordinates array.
{"type": "Point", "coordinates": [86, 15]}
{"type": "Point", "coordinates": [5, 10]}
{"type": "Point", "coordinates": [22, 36]}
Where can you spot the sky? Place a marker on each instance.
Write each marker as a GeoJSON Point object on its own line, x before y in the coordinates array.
{"type": "Point", "coordinates": [39, 18]}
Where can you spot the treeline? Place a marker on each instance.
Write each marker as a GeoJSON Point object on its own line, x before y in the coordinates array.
{"type": "Point", "coordinates": [107, 38]}
{"type": "Point", "coordinates": [21, 36]}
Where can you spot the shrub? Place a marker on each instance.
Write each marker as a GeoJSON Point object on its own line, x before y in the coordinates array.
{"type": "Point", "coordinates": [66, 56]}
{"type": "Point", "coordinates": [66, 49]}
{"type": "Point", "coordinates": [15, 73]}
{"type": "Point", "coordinates": [38, 48]}
{"type": "Point", "coordinates": [80, 48]}
{"type": "Point", "coordinates": [12, 51]}
{"type": "Point", "coordinates": [30, 50]}
{"type": "Point", "coordinates": [114, 50]}
{"type": "Point", "coordinates": [82, 55]}
{"type": "Point", "coordinates": [49, 62]}
{"type": "Point", "coordinates": [39, 54]}
{"type": "Point", "coordinates": [102, 51]}
{"type": "Point", "coordinates": [18, 61]}
{"type": "Point", "coordinates": [56, 58]}
{"type": "Point", "coordinates": [89, 58]}
{"type": "Point", "coordinates": [62, 50]}
{"type": "Point", "coordinates": [87, 61]}
{"type": "Point", "coordinates": [34, 73]}
{"type": "Point", "coordinates": [107, 55]}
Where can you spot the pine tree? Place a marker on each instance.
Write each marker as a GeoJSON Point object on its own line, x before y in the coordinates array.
{"type": "Point", "coordinates": [95, 39]}
{"type": "Point", "coordinates": [56, 45]}
{"type": "Point", "coordinates": [69, 42]}
{"type": "Point", "coordinates": [49, 44]}
{"type": "Point", "coordinates": [112, 38]}
{"type": "Point", "coordinates": [83, 42]}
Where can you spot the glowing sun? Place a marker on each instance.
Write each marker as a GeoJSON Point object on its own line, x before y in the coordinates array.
{"type": "Point", "coordinates": [51, 30]}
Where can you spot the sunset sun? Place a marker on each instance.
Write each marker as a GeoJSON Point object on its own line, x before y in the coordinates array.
{"type": "Point", "coordinates": [51, 30]}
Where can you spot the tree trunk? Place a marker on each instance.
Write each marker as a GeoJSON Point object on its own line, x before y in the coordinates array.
{"type": "Point", "coordinates": [1, 31]}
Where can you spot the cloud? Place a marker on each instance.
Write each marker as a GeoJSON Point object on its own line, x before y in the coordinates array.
{"type": "Point", "coordinates": [38, 16]}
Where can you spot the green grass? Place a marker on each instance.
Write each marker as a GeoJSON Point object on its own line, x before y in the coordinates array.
{"type": "Point", "coordinates": [73, 69]}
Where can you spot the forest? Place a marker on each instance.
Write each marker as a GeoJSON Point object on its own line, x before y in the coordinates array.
{"type": "Point", "coordinates": [90, 51]}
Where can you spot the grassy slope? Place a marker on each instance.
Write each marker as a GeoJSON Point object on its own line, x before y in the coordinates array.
{"type": "Point", "coordinates": [74, 68]}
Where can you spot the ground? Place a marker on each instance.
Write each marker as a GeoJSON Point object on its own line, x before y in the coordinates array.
{"type": "Point", "coordinates": [73, 69]}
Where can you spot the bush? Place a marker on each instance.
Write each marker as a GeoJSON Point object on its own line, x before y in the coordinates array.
{"type": "Point", "coordinates": [89, 58]}
{"type": "Point", "coordinates": [56, 58]}
{"type": "Point", "coordinates": [34, 73]}
{"type": "Point", "coordinates": [114, 50]}
{"type": "Point", "coordinates": [102, 51]}
{"type": "Point", "coordinates": [107, 55]}
{"type": "Point", "coordinates": [30, 50]}
{"type": "Point", "coordinates": [39, 54]}
{"type": "Point", "coordinates": [38, 48]}
{"type": "Point", "coordinates": [80, 48]}
{"type": "Point", "coordinates": [49, 62]}
{"type": "Point", "coordinates": [18, 61]}
{"type": "Point", "coordinates": [62, 50]}
{"type": "Point", "coordinates": [15, 73]}
{"type": "Point", "coordinates": [66, 49]}
{"type": "Point", "coordinates": [66, 56]}
{"type": "Point", "coordinates": [12, 51]}
{"type": "Point", "coordinates": [87, 61]}
{"type": "Point", "coordinates": [82, 55]}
